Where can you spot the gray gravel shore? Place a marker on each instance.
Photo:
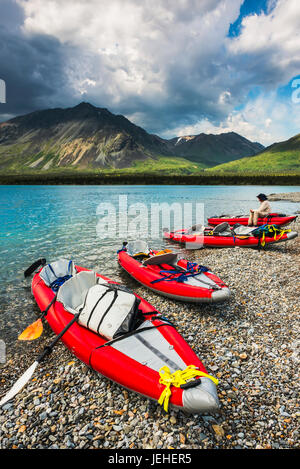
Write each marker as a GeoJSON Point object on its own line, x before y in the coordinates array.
{"type": "Point", "coordinates": [251, 343]}
{"type": "Point", "coordinates": [288, 196]}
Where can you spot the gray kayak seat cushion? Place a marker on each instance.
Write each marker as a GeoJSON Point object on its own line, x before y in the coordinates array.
{"type": "Point", "coordinates": [242, 229]}
{"type": "Point", "coordinates": [73, 292]}
{"type": "Point", "coordinates": [170, 258]}
{"type": "Point", "coordinates": [61, 268]}
{"type": "Point", "coordinates": [136, 247]}
{"type": "Point", "coordinates": [196, 229]}
{"type": "Point", "coordinates": [223, 229]}
{"type": "Point", "coordinates": [107, 309]}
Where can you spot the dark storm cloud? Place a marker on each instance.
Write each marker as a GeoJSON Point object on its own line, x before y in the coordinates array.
{"type": "Point", "coordinates": [32, 66]}
{"type": "Point", "coordinates": [11, 15]}
{"type": "Point", "coordinates": [33, 71]}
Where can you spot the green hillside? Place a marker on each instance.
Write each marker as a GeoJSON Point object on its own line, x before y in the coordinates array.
{"type": "Point", "coordinates": [279, 157]}
{"type": "Point", "coordinates": [161, 165]}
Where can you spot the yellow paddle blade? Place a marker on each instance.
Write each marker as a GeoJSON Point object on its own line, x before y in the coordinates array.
{"type": "Point", "coordinates": [33, 331]}
{"type": "Point", "coordinates": [164, 251]}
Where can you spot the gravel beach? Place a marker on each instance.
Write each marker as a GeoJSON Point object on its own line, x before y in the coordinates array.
{"type": "Point", "coordinates": [250, 343]}
{"type": "Point", "coordinates": [288, 196]}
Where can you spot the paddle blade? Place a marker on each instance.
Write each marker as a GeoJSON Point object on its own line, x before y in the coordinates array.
{"type": "Point", "coordinates": [19, 384]}
{"type": "Point", "coordinates": [164, 251]}
{"type": "Point", "coordinates": [33, 331]}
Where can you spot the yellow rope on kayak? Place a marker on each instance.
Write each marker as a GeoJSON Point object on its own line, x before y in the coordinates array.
{"type": "Point", "coordinates": [276, 232]}
{"type": "Point", "coordinates": [176, 379]}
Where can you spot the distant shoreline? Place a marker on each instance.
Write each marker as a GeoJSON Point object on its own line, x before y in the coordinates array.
{"type": "Point", "coordinates": [289, 197]}
{"type": "Point", "coordinates": [148, 179]}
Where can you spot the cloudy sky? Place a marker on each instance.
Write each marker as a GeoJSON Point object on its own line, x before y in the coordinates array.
{"type": "Point", "coordinates": [173, 67]}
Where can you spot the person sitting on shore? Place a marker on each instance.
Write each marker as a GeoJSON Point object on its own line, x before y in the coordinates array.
{"type": "Point", "coordinates": [263, 210]}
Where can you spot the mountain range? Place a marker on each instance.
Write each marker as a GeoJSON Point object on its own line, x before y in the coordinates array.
{"type": "Point", "coordinates": [211, 149]}
{"type": "Point", "coordinates": [279, 157]}
{"type": "Point", "coordinates": [89, 137]}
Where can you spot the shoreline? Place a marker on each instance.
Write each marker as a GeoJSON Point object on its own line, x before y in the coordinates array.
{"type": "Point", "coordinates": [148, 179]}
{"type": "Point", "coordinates": [249, 343]}
{"type": "Point", "coordinates": [285, 196]}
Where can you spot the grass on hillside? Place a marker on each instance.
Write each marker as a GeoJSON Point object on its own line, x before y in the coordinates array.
{"type": "Point", "coordinates": [269, 161]}
{"type": "Point", "coordinates": [273, 168]}
{"type": "Point", "coordinates": [163, 164]}
{"type": "Point", "coordinates": [159, 165]}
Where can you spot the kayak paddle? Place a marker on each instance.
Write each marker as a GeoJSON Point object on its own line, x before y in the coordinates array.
{"type": "Point", "coordinates": [34, 330]}
{"type": "Point", "coordinates": [20, 383]}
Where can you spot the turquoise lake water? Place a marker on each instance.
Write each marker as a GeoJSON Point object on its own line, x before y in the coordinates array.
{"type": "Point", "coordinates": [63, 221]}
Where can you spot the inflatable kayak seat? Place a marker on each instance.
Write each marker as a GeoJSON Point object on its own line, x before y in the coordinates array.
{"type": "Point", "coordinates": [108, 309]}
{"type": "Point", "coordinates": [223, 229]}
{"type": "Point", "coordinates": [137, 248]}
{"type": "Point", "coordinates": [56, 273]}
{"type": "Point", "coordinates": [169, 258]}
{"type": "Point", "coordinates": [242, 229]}
{"type": "Point", "coordinates": [196, 229]}
{"type": "Point", "coordinates": [140, 250]}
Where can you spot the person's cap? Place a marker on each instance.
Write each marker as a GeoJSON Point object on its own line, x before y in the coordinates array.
{"type": "Point", "coordinates": [262, 197]}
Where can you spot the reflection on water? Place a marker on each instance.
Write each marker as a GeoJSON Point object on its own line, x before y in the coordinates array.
{"type": "Point", "coordinates": [61, 221]}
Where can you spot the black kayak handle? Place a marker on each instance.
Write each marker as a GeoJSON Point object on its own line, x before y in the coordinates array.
{"type": "Point", "coordinates": [34, 266]}
{"type": "Point", "coordinates": [191, 384]}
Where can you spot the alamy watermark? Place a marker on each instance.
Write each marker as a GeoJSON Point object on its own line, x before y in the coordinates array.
{"type": "Point", "coordinates": [2, 91]}
{"type": "Point", "coordinates": [2, 351]}
{"type": "Point", "coordinates": [138, 220]}
{"type": "Point", "coordinates": [296, 92]}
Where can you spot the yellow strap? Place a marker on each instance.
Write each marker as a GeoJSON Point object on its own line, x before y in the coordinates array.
{"type": "Point", "coordinates": [281, 233]}
{"type": "Point", "coordinates": [276, 232]}
{"type": "Point", "coordinates": [176, 379]}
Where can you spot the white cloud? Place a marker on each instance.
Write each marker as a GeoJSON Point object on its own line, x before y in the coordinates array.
{"type": "Point", "coordinates": [85, 85]}
{"type": "Point", "coordinates": [170, 66]}
{"type": "Point", "coordinates": [275, 37]}
{"type": "Point", "coordinates": [262, 120]}
{"type": "Point", "coordinates": [224, 97]}
{"type": "Point", "coordinates": [156, 51]}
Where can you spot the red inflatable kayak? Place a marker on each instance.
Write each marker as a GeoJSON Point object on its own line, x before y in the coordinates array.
{"type": "Point", "coordinates": [163, 273]}
{"type": "Point", "coordinates": [272, 218]}
{"type": "Point", "coordinates": [208, 239]}
{"type": "Point", "coordinates": [141, 362]}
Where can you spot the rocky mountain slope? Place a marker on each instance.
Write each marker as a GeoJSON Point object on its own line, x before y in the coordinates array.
{"type": "Point", "coordinates": [86, 136]}
{"type": "Point", "coordinates": [213, 149]}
